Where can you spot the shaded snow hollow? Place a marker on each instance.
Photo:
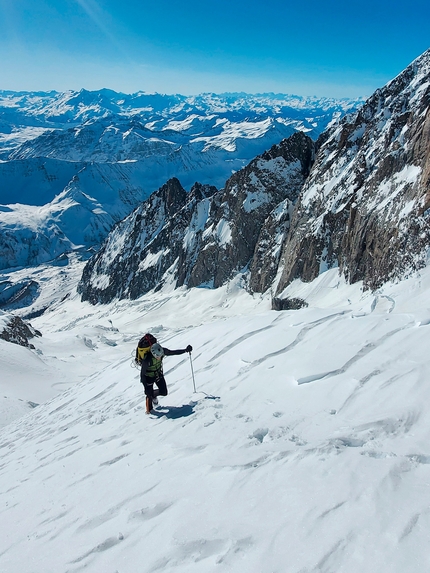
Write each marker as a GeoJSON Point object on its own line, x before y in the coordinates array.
{"type": "Point", "coordinates": [305, 449]}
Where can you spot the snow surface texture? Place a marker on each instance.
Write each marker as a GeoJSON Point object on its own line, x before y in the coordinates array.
{"type": "Point", "coordinates": [305, 448]}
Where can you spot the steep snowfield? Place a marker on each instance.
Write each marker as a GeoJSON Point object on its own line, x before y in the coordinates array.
{"type": "Point", "coordinates": [305, 448]}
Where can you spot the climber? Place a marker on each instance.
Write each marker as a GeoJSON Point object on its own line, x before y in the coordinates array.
{"type": "Point", "coordinates": [149, 355]}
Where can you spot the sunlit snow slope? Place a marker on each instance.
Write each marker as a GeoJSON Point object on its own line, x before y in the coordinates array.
{"type": "Point", "coordinates": [305, 448]}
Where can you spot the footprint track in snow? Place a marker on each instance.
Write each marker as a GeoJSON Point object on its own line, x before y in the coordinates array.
{"type": "Point", "coordinates": [299, 338]}
{"type": "Point", "coordinates": [147, 513]}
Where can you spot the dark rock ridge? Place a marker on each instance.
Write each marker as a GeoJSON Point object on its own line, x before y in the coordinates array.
{"type": "Point", "coordinates": [205, 237]}
{"type": "Point", "coordinates": [142, 251]}
{"type": "Point", "coordinates": [14, 329]}
{"type": "Point", "coordinates": [365, 205]}
{"type": "Point", "coordinates": [248, 217]}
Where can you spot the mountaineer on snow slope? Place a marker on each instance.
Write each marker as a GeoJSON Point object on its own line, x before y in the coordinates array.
{"type": "Point", "coordinates": [149, 356]}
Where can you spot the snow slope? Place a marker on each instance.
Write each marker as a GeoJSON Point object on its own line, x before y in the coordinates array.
{"type": "Point", "coordinates": [305, 448]}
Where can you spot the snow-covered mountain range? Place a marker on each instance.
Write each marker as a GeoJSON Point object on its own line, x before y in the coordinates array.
{"type": "Point", "coordinates": [86, 159]}
{"type": "Point", "coordinates": [204, 237]}
{"type": "Point", "coordinates": [105, 125]}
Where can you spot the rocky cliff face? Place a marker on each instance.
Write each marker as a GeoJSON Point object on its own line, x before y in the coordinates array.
{"type": "Point", "coordinates": [365, 205]}
{"type": "Point", "coordinates": [143, 251]}
{"type": "Point", "coordinates": [207, 236]}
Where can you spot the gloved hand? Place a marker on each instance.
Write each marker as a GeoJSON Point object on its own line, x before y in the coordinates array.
{"type": "Point", "coordinates": [189, 348]}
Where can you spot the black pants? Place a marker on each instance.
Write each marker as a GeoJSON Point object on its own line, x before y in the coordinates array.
{"type": "Point", "coordinates": [148, 384]}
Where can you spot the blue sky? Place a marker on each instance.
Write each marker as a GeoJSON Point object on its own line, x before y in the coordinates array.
{"type": "Point", "coordinates": [325, 48]}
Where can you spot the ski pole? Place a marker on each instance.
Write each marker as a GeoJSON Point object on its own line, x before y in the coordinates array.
{"type": "Point", "coordinates": [192, 372]}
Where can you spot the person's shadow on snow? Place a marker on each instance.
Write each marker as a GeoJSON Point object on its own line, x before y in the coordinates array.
{"type": "Point", "coordinates": [174, 412]}
{"type": "Point", "coordinates": [183, 411]}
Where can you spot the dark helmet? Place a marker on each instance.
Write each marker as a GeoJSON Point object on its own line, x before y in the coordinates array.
{"type": "Point", "coordinates": [149, 339]}
{"type": "Point", "coordinates": [157, 351]}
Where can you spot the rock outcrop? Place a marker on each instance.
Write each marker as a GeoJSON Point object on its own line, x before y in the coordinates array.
{"type": "Point", "coordinates": [365, 205]}
{"type": "Point", "coordinates": [249, 217]}
{"type": "Point", "coordinates": [142, 251]}
{"type": "Point", "coordinates": [14, 329]}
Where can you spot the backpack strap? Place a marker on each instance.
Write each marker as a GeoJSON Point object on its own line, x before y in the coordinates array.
{"type": "Point", "coordinates": [142, 352]}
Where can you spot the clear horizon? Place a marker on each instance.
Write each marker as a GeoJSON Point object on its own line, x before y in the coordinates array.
{"type": "Point", "coordinates": [323, 50]}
